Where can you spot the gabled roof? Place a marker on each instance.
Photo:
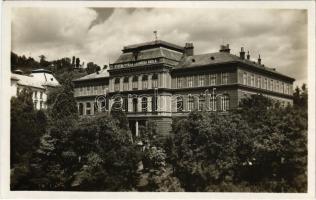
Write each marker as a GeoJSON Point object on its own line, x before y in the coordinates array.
{"type": "Point", "coordinates": [101, 74]}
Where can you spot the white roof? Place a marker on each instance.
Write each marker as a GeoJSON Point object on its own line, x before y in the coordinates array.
{"type": "Point", "coordinates": [36, 79]}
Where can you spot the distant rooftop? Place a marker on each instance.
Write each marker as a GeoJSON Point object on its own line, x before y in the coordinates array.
{"type": "Point", "coordinates": [96, 75]}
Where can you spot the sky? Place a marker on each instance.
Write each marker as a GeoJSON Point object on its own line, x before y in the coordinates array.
{"type": "Point", "coordinates": [99, 34]}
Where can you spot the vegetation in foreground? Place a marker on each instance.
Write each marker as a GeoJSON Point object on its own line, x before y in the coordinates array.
{"type": "Point", "coordinates": [261, 147]}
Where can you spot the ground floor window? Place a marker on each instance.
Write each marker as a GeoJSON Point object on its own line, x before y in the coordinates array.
{"type": "Point", "coordinates": [224, 103]}
{"type": "Point", "coordinates": [190, 103]}
{"type": "Point", "coordinates": [144, 104]}
{"type": "Point", "coordinates": [213, 103]}
{"type": "Point", "coordinates": [135, 102]}
{"type": "Point", "coordinates": [201, 102]}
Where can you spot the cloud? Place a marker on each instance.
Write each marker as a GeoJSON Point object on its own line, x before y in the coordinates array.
{"type": "Point", "coordinates": [99, 34]}
{"type": "Point", "coordinates": [102, 15]}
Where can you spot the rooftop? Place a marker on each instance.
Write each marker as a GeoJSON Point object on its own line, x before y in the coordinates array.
{"type": "Point", "coordinates": [96, 75]}
{"type": "Point", "coordinates": [151, 44]}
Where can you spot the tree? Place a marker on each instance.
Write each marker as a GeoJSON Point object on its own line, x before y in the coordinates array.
{"type": "Point", "coordinates": [209, 149]}
{"type": "Point", "coordinates": [24, 141]}
{"type": "Point", "coordinates": [77, 62]}
{"type": "Point", "coordinates": [91, 68]}
{"type": "Point", "coordinates": [73, 61]}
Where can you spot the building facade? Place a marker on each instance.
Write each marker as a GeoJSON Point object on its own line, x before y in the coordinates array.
{"type": "Point", "coordinates": [158, 80]}
{"type": "Point", "coordinates": [40, 81]}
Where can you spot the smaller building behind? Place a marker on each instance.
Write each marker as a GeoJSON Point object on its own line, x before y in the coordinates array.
{"type": "Point", "coordinates": [40, 81]}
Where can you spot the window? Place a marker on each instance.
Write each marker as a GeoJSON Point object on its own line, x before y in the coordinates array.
{"type": "Point", "coordinates": [145, 82]}
{"type": "Point", "coordinates": [41, 95]}
{"type": "Point", "coordinates": [88, 88]}
{"type": "Point", "coordinates": [179, 82]}
{"type": "Point", "coordinates": [259, 82]}
{"type": "Point", "coordinates": [277, 86]}
{"type": "Point", "coordinates": [282, 88]}
{"type": "Point", "coordinates": [135, 83]}
{"type": "Point", "coordinates": [154, 104]}
{"type": "Point", "coordinates": [213, 79]}
{"type": "Point", "coordinates": [271, 85]}
{"type": "Point", "coordinates": [135, 104]}
{"type": "Point", "coordinates": [265, 83]}
{"type": "Point", "coordinates": [224, 103]}
{"type": "Point", "coordinates": [201, 102]}
{"type": "Point", "coordinates": [144, 104]}
{"type": "Point", "coordinates": [125, 104]}
{"type": "Point", "coordinates": [154, 81]}
{"type": "Point", "coordinates": [41, 105]}
{"type": "Point", "coordinates": [190, 81]}
{"type": "Point", "coordinates": [201, 80]}
{"type": "Point", "coordinates": [125, 84]}
{"type": "Point", "coordinates": [80, 108]}
{"type": "Point", "coordinates": [191, 103]}
{"type": "Point", "coordinates": [88, 108]}
{"type": "Point", "coordinates": [95, 87]}
{"type": "Point", "coordinates": [81, 89]}
{"type": "Point", "coordinates": [35, 94]}
{"type": "Point", "coordinates": [213, 103]}
{"type": "Point", "coordinates": [35, 104]}
{"type": "Point", "coordinates": [244, 78]}
{"type": "Point", "coordinates": [179, 104]}
{"type": "Point", "coordinates": [252, 80]}
{"type": "Point", "coordinates": [117, 84]}
{"type": "Point", "coordinates": [224, 78]}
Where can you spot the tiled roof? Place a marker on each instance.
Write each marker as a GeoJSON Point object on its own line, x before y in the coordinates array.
{"type": "Point", "coordinates": [101, 74]}
{"type": "Point", "coordinates": [218, 58]}
{"type": "Point", "coordinates": [150, 54]}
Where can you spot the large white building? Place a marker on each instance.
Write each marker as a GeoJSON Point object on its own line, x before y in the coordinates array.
{"type": "Point", "coordinates": [39, 82]}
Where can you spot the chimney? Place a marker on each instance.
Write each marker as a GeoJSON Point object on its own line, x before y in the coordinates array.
{"type": "Point", "coordinates": [224, 48]}
{"type": "Point", "coordinates": [248, 56]}
{"type": "Point", "coordinates": [188, 49]}
{"type": "Point", "coordinates": [242, 53]}
{"type": "Point", "coordinates": [259, 60]}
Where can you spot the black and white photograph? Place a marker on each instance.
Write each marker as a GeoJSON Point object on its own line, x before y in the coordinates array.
{"type": "Point", "coordinates": [139, 97]}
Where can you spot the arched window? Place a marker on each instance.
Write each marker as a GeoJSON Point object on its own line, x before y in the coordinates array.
{"type": "Point", "coordinates": [125, 83]}
{"type": "Point", "coordinates": [179, 104]}
{"type": "Point", "coordinates": [80, 108]}
{"type": "Point", "coordinates": [145, 82]}
{"type": "Point", "coordinates": [144, 104]}
{"type": "Point", "coordinates": [213, 103]}
{"type": "Point", "coordinates": [135, 83]}
{"type": "Point", "coordinates": [154, 81]}
{"type": "Point", "coordinates": [117, 84]}
{"type": "Point", "coordinates": [224, 103]}
{"type": "Point", "coordinates": [135, 104]}
{"type": "Point", "coordinates": [201, 102]}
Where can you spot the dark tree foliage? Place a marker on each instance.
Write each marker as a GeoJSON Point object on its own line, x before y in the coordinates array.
{"type": "Point", "coordinates": [261, 147]}
{"type": "Point", "coordinates": [23, 63]}
{"type": "Point", "coordinates": [27, 126]}
{"type": "Point", "coordinates": [77, 62]}
{"type": "Point", "coordinates": [91, 68]}
{"type": "Point", "coordinates": [210, 149]}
